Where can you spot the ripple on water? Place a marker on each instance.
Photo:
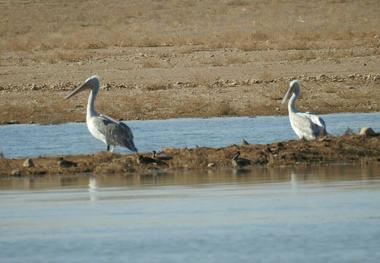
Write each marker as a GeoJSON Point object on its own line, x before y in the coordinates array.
{"type": "Point", "coordinates": [301, 214]}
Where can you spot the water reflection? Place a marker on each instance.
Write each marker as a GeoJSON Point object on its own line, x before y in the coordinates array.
{"type": "Point", "coordinates": [293, 181]}
{"type": "Point", "coordinates": [294, 175]}
{"type": "Point", "coordinates": [92, 188]}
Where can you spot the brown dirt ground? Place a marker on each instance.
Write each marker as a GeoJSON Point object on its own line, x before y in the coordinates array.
{"type": "Point", "coordinates": [165, 59]}
{"type": "Point", "coordinates": [346, 149]}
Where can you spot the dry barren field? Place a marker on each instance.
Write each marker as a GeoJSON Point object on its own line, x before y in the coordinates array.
{"type": "Point", "coordinates": [163, 59]}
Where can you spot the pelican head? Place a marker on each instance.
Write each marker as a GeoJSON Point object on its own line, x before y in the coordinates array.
{"type": "Point", "coordinates": [294, 87]}
{"type": "Point", "coordinates": [91, 83]}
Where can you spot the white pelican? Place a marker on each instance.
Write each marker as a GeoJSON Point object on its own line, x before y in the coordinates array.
{"type": "Point", "coordinates": [305, 125]}
{"type": "Point", "coordinates": [102, 127]}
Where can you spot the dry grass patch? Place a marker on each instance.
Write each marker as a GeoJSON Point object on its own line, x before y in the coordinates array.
{"type": "Point", "coordinates": [266, 76]}
{"type": "Point", "coordinates": [223, 108]}
{"type": "Point", "coordinates": [151, 63]}
{"type": "Point", "coordinates": [248, 25]}
{"type": "Point", "coordinates": [302, 55]}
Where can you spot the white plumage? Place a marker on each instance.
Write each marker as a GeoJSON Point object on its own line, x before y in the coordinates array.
{"type": "Point", "coordinates": [111, 132]}
{"type": "Point", "coordinates": [305, 125]}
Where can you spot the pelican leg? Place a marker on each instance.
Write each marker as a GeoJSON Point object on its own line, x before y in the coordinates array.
{"type": "Point", "coordinates": [110, 148]}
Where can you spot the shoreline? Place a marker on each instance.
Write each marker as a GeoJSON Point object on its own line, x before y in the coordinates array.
{"type": "Point", "coordinates": [327, 150]}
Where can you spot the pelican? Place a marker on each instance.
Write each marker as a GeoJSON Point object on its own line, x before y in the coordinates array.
{"type": "Point", "coordinates": [306, 125]}
{"type": "Point", "coordinates": [111, 132]}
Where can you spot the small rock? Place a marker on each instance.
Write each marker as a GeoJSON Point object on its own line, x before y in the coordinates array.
{"type": "Point", "coordinates": [28, 163]}
{"type": "Point", "coordinates": [256, 81]}
{"type": "Point", "coordinates": [34, 87]}
{"type": "Point", "coordinates": [210, 165]}
{"type": "Point", "coordinates": [12, 122]}
{"type": "Point", "coordinates": [232, 83]}
{"type": "Point", "coordinates": [367, 131]}
{"type": "Point", "coordinates": [16, 172]}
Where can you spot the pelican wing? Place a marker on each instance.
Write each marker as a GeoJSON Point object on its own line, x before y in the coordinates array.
{"type": "Point", "coordinates": [319, 125]}
{"type": "Point", "coordinates": [116, 133]}
{"type": "Point", "coordinates": [318, 121]}
{"type": "Point", "coordinates": [308, 125]}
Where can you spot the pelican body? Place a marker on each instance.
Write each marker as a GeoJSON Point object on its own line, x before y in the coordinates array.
{"type": "Point", "coordinates": [306, 125]}
{"type": "Point", "coordinates": [111, 132]}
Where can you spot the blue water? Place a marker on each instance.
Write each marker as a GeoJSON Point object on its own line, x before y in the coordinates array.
{"type": "Point", "coordinates": [326, 214]}
{"type": "Point", "coordinates": [73, 138]}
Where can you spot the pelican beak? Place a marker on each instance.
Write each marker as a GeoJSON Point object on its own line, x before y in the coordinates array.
{"type": "Point", "coordinates": [287, 95]}
{"type": "Point", "coordinates": [77, 90]}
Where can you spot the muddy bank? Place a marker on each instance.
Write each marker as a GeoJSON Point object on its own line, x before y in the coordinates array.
{"type": "Point", "coordinates": [347, 148]}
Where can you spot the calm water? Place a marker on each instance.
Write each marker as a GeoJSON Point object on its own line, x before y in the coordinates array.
{"type": "Point", "coordinates": [320, 214]}
{"type": "Point", "coordinates": [74, 138]}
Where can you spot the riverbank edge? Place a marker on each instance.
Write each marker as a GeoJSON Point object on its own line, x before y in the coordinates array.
{"type": "Point", "coordinates": [343, 149]}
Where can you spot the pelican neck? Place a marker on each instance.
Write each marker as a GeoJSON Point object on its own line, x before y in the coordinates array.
{"type": "Point", "coordinates": [292, 103]}
{"type": "Point", "coordinates": [91, 104]}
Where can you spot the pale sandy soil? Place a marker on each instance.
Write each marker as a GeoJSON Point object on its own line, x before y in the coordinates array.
{"type": "Point", "coordinates": [165, 59]}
